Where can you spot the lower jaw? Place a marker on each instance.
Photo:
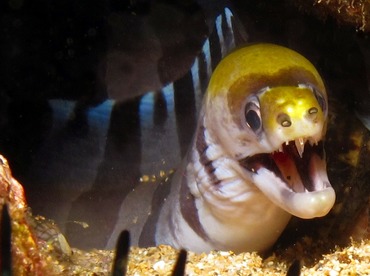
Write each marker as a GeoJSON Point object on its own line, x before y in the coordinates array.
{"type": "Point", "coordinates": [305, 205]}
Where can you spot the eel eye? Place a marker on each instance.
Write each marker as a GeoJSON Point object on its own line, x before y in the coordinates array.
{"type": "Point", "coordinates": [253, 116]}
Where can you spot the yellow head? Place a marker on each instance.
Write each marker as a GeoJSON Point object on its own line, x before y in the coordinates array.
{"type": "Point", "coordinates": [257, 155]}
{"type": "Point", "coordinates": [265, 95]}
{"type": "Point", "coordinates": [265, 113]}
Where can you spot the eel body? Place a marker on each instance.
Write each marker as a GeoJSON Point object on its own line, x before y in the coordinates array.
{"type": "Point", "coordinates": [257, 156]}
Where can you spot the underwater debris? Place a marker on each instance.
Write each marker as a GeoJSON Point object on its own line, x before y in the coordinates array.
{"type": "Point", "coordinates": [294, 269]}
{"type": "Point", "coordinates": [355, 12]}
{"type": "Point", "coordinates": [120, 262]}
{"type": "Point", "coordinates": [26, 256]}
{"type": "Point", "coordinates": [121, 256]}
{"type": "Point", "coordinates": [180, 265]}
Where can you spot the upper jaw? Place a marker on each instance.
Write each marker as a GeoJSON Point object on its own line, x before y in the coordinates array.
{"type": "Point", "coordinates": [299, 144]}
{"type": "Point", "coordinates": [294, 177]}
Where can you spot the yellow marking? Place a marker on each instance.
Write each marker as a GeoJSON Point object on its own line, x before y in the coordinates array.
{"type": "Point", "coordinates": [293, 103]}
{"type": "Point", "coordinates": [162, 175]}
{"type": "Point", "coordinates": [81, 223]}
{"type": "Point", "coordinates": [144, 178]}
{"type": "Point", "coordinates": [258, 59]}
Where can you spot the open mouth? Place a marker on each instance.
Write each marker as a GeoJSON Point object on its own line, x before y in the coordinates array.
{"type": "Point", "coordinates": [294, 177]}
{"type": "Point", "coordinates": [291, 163]}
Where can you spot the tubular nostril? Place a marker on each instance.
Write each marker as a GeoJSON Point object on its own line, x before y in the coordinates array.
{"type": "Point", "coordinates": [312, 113]}
{"type": "Point", "coordinates": [284, 120]}
{"type": "Point", "coordinates": [286, 123]}
{"type": "Point", "coordinates": [313, 110]}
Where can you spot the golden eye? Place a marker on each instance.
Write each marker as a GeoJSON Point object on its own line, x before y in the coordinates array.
{"type": "Point", "coordinates": [253, 116]}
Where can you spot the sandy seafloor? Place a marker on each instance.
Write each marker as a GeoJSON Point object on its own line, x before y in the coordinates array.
{"type": "Point", "coordinates": [353, 259]}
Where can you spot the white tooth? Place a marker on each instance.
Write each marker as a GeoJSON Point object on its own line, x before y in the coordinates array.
{"type": "Point", "coordinates": [286, 143]}
{"type": "Point", "coordinates": [299, 144]}
{"type": "Point", "coordinates": [310, 140]}
{"type": "Point", "coordinates": [281, 149]}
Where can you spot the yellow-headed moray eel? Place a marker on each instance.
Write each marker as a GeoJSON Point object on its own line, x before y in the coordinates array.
{"type": "Point", "coordinates": [257, 157]}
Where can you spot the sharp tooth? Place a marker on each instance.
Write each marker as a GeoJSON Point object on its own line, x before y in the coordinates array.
{"type": "Point", "coordinates": [310, 140]}
{"type": "Point", "coordinates": [315, 142]}
{"type": "Point", "coordinates": [299, 144]}
{"type": "Point", "coordinates": [281, 149]}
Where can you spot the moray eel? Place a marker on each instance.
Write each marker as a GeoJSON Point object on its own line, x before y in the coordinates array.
{"type": "Point", "coordinates": [257, 156]}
